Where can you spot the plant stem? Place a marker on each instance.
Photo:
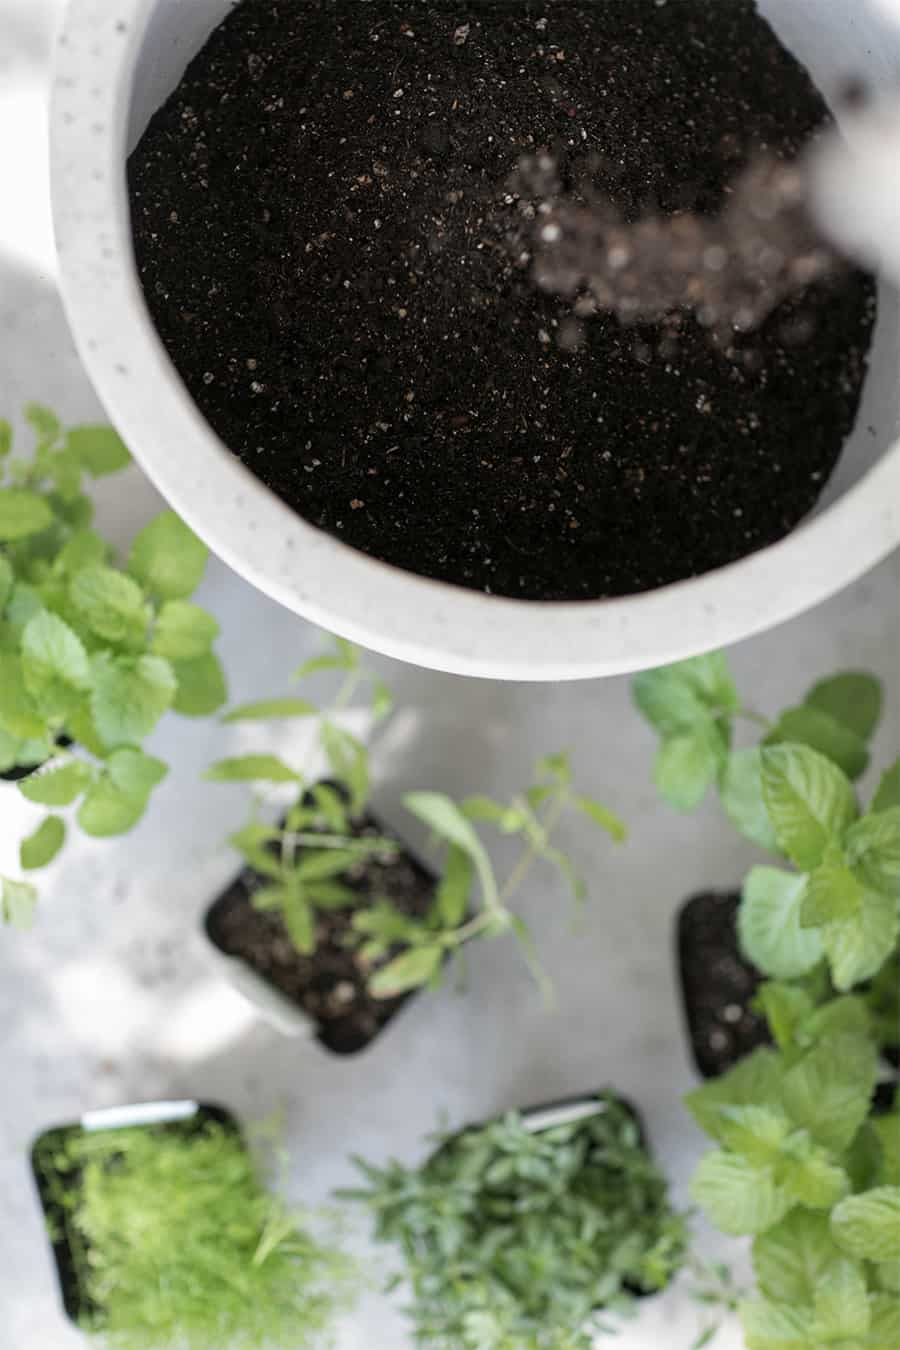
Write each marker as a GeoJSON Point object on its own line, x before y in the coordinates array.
{"type": "Point", "coordinates": [532, 853]}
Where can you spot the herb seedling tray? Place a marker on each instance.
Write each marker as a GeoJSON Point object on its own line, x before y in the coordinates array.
{"type": "Point", "coordinates": [57, 1189]}
{"type": "Point", "coordinates": [322, 996]}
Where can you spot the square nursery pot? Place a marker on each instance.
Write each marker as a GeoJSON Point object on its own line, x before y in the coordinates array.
{"type": "Point", "coordinates": [69, 1249]}
{"type": "Point", "coordinates": [718, 986]}
{"type": "Point", "coordinates": [322, 996]}
{"type": "Point", "coordinates": [116, 66]}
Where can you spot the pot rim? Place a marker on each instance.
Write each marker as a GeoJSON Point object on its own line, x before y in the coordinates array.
{"type": "Point", "coordinates": [428, 623]}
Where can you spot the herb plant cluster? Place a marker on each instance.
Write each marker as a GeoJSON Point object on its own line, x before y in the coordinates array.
{"type": "Point", "coordinates": [307, 860]}
{"type": "Point", "coordinates": [91, 654]}
{"type": "Point", "coordinates": [517, 1239]}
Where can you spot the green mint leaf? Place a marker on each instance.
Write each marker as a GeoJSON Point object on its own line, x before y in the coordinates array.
{"type": "Point", "coordinates": [59, 785]}
{"type": "Point", "coordinates": [349, 763]}
{"type": "Point", "coordinates": [756, 1078]}
{"type": "Point", "coordinates": [202, 689]}
{"type": "Point", "coordinates": [111, 604]}
{"type": "Point", "coordinates": [80, 726]}
{"type": "Point", "coordinates": [77, 512]}
{"type": "Point", "coordinates": [106, 812]}
{"type": "Point", "coordinates": [23, 604]}
{"type": "Point", "coordinates": [22, 513]}
{"type": "Point", "coordinates": [839, 1016]}
{"type": "Point", "coordinates": [854, 699]}
{"type": "Point", "coordinates": [270, 709]}
{"type": "Point", "coordinates": [829, 1091]}
{"type": "Point", "coordinates": [135, 774]}
{"type": "Point", "coordinates": [769, 925]}
{"type": "Point", "coordinates": [884, 1332]}
{"type": "Point", "coordinates": [739, 1198]}
{"type": "Point", "coordinates": [888, 793]}
{"type": "Point", "coordinates": [858, 947]}
{"type": "Point", "coordinates": [785, 1008]}
{"type": "Point", "coordinates": [7, 579]}
{"type": "Point", "coordinates": [809, 800]}
{"type": "Point", "coordinates": [6, 437]}
{"type": "Point", "coordinates": [299, 920]}
{"type": "Point", "coordinates": [887, 1129]}
{"type": "Point", "coordinates": [602, 816]}
{"type": "Point", "coordinates": [252, 769]}
{"type": "Point", "coordinates": [18, 715]}
{"type": "Point", "coordinates": [842, 1305]}
{"type": "Point", "coordinates": [867, 1226]}
{"type": "Point", "coordinates": [18, 900]}
{"type": "Point", "coordinates": [54, 663]}
{"type": "Point", "coordinates": [776, 1326]}
{"type": "Point", "coordinates": [167, 558]}
{"type": "Point", "coordinates": [43, 421]}
{"type": "Point", "coordinates": [820, 731]}
{"type": "Point", "coordinates": [809, 1176]}
{"type": "Point", "coordinates": [99, 449]}
{"type": "Point", "coordinates": [445, 818]}
{"type": "Point", "coordinates": [873, 848]}
{"type": "Point", "coordinates": [792, 1260]}
{"type": "Point", "coordinates": [409, 971]}
{"type": "Point", "coordinates": [687, 765]}
{"type": "Point", "coordinates": [129, 696]}
{"type": "Point", "coordinates": [832, 891]}
{"type": "Point", "coordinates": [757, 1133]}
{"type": "Point", "coordinates": [670, 702]}
{"type": "Point", "coordinates": [741, 794]}
{"type": "Point", "coordinates": [83, 549]}
{"type": "Point", "coordinates": [452, 897]}
{"type": "Point", "coordinates": [183, 631]}
{"type": "Point", "coordinates": [41, 847]}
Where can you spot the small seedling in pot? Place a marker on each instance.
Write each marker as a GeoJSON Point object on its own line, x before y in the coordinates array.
{"type": "Point", "coordinates": [523, 1238]}
{"type": "Point", "coordinates": [91, 654]}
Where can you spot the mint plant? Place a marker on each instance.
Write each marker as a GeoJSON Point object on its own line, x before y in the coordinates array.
{"type": "Point", "coordinates": [92, 654]}
{"type": "Point", "coordinates": [310, 860]}
{"type": "Point", "coordinates": [516, 1239]}
{"type": "Point", "coordinates": [178, 1243]}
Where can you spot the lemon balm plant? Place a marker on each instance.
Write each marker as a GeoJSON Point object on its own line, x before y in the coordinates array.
{"type": "Point", "coordinates": [92, 654]}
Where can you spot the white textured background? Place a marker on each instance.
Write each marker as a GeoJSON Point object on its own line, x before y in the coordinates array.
{"type": "Point", "coordinates": [110, 998]}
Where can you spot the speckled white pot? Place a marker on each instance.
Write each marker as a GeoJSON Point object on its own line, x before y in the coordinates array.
{"type": "Point", "coordinates": [117, 61]}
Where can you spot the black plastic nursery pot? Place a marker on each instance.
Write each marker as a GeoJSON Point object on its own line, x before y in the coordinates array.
{"type": "Point", "coordinates": [57, 1188]}
{"type": "Point", "coordinates": [324, 995]}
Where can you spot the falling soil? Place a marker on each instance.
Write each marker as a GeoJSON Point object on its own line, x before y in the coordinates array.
{"type": "Point", "coordinates": [330, 986]}
{"type": "Point", "coordinates": [717, 984]}
{"type": "Point", "coordinates": [326, 233]}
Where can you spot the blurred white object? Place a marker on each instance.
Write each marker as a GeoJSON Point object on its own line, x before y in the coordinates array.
{"type": "Point", "coordinates": [857, 186]}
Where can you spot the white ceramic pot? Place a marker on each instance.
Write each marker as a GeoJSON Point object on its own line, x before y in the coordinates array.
{"type": "Point", "coordinates": [118, 60]}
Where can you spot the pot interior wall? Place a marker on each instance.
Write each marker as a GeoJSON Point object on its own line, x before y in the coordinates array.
{"type": "Point", "coordinates": [837, 40]}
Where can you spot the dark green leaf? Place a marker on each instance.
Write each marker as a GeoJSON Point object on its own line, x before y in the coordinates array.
{"type": "Point", "coordinates": [818, 729]}
{"type": "Point", "coordinates": [41, 848]}
{"type": "Point", "coordinates": [7, 578]}
{"type": "Point", "coordinates": [111, 604]}
{"type": "Point", "coordinates": [330, 895]}
{"type": "Point", "coordinates": [452, 898]}
{"type": "Point", "coordinates": [168, 558]}
{"type": "Point", "coordinates": [854, 699]}
{"type": "Point", "coordinates": [888, 793]}
{"type": "Point", "coordinates": [6, 437]}
{"type": "Point", "coordinates": [202, 689]}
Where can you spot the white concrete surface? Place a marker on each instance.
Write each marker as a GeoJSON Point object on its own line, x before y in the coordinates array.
{"type": "Point", "coordinates": [110, 1000]}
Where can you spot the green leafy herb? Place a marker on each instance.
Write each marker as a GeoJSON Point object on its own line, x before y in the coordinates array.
{"type": "Point", "coordinates": [41, 847]}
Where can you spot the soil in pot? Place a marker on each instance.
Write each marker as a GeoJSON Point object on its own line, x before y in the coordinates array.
{"type": "Point", "coordinates": [331, 985]}
{"type": "Point", "coordinates": [323, 220]}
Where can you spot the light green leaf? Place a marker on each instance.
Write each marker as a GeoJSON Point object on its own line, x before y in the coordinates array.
{"type": "Point", "coordinates": [842, 1304]}
{"type": "Point", "coordinates": [810, 1177]}
{"type": "Point", "coordinates": [775, 1326]}
{"type": "Point", "coordinates": [271, 708]}
{"type": "Point", "coordinates": [382, 701]}
{"type": "Point", "coordinates": [19, 899]}
{"type": "Point", "coordinates": [83, 549]}
{"type": "Point", "coordinates": [688, 764]}
{"type": "Point", "coordinates": [6, 437]}
{"type": "Point", "coordinates": [867, 1226]}
{"type": "Point", "coordinates": [409, 971]}
{"type": "Point", "coordinates": [99, 449]}
{"type": "Point", "coordinates": [451, 900]}
{"type": "Point", "coordinates": [792, 1260]}
{"type": "Point", "coordinates": [254, 843]}
{"type": "Point", "coordinates": [873, 848]}
{"type": "Point", "coordinates": [331, 862]}
{"type": "Point", "coordinates": [829, 1091]}
{"type": "Point", "coordinates": [754, 1079]}
{"type": "Point", "coordinates": [832, 891]}
{"type": "Point", "coordinates": [202, 689]}
{"type": "Point", "coordinates": [785, 1007]}
{"type": "Point", "coordinates": [23, 604]}
{"type": "Point", "coordinates": [739, 1198]}
{"type": "Point", "coordinates": [557, 766]}
{"type": "Point", "coordinates": [22, 513]}
{"type": "Point", "coordinates": [888, 793]}
{"type": "Point", "coordinates": [18, 715]}
{"type": "Point", "coordinates": [111, 604]}
{"type": "Point", "coordinates": [135, 774]}
{"type": "Point", "coordinates": [105, 811]}
{"type": "Point", "coordinates": [54, 663]}
{"type": "Point", "coordinates": [168, 558]}
{"type": "Point", "coordinates": [43, 421]}
{"type": "Point", "coordinates": [741, 794]}
{"type": "Point", "coordinates": [672, 703]}
{"type": "Point", "coordinates": [129, 696]}
{"type": "Point", "coordinates": [758, 1133]}
{"type": "Point", "coordinates": [817, 729]}
{"type": "Point", "coordinates": [252, 769]}
{"type": "Point", "coordinates": [299, 920]}
{"type": "Point", "coordinates": [769, 925]}
{"type": "Point", "coordinates": [884, 1332]}
{"type": "Point", "coordinates": [809, 800]}
{"type": "Point", "coordinates": [80, 726]}
{"type": "Point", "coordinates": [41, 847]}
{"type": "Point", "coordinates": [183, 631]}
{"type": "Point", "coordinates": [332, 807]}
{"type": "Point", "coordinates": [603, 817]}
{"type": "Point", "coordinates": [445, 818]}
{"type": "Point", "coordinates": [330, 895]}
{"type": "Point", "coordinates": [858, 947]}
{"type": "Point", "coordinates": [854, 699]}
{"type": "Point", "coordinates": [7, 578]}
{"type": "Point", "coordinates": [344, 657]}
{"type": "Point", "coordinates": [839, 1016]}
{"type": "Point", "coordinates": [349, 763]}
{"type": "Point", "coordinates": [59, 785]}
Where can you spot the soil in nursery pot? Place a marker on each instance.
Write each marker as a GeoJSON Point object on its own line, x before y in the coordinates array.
{"type": "Point", "coordinates": [718, 984]}
{"type": "Point", "coordinates": [323, 220]}
{"type": "Point", "coordinates": [330, 986]}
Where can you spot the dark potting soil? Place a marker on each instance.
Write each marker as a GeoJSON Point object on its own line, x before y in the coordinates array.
{"type": "Point", "coordinates": [717, 984]}
{"type": "Point", "coordinates": [331, 984]}
{"type": "Point", "coordinates": [323, 221]}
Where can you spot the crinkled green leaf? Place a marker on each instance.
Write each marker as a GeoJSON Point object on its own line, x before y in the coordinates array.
{"type": "Point", "coordinates": [83, 549]}
{"type": "Point", "coordinates": [785, 1007]}
{"type": "Point", "coordinates": [18, 715]}
{"type": "Point", "coordinates": [54, 663]}
{"type": "Point", "coordinates": [867, 1226]}
{"type": "Point", "coordinates": [884, 1332]}
{"type": "Point", "coordinates": [129, 696]}
{"type": "Point", "coordinates": [183, 631]}
{"type": "Point", "coordinates": [98, 448]}
{"type": "Point", "coordinates": [754, 1079]}
{"type": "Point", "coordinates": [792, 1260]}
{"type": "Point", "coordinates": [41, 847]}
{"type": "Point", "coordinates": [817, 729]}
{"type": "Point", "coordinates": [775, 1326]}
{"type": "Point", "coordinates": [409, 971]}
{"type": "Point", "coordinates": [58, 785]}
{"type": "Point", "coordinates": [687, 765]}
{"type": "Point", "coordinates": [167, 558]}
{"type": "Point", "coordinates": [252, 769]}
{"type": "Point", "coordinates": [770, 928]}
{"type": "Point", "coordinates": [111, 604]}
{"type": "Point", "coordinates": [18, 900]}
{"type": "Point", "coordinates": [134, 773]}
{"type": "Point", "coordinates": [858, 947]}
{"type": "Point", "coordinates": [672, 703]}
{"type": "Point", "coordinates": [202, 688]}
{"type": "Point", "coordinates": [271, 709]}
{"type": "Point", "coordinates": [738, 1197]}
{"type": "Point", "coordinates": [809, 1175]}
{"type": "Point", "coordinates": [842, 1304]}
{"type": "Point", "coordinates": [106, 811]}
{"type": "Point", "coordinates": [742, 798]}
{"type": "Point", "coordinates": [873, 848]}
{"type": "Point", "coordinates": [853, 699]}
{"type": "Point", "coordinates": [22, 513]}
{"type": "Point", "coordinates": [758, 1133]}
{"type": "Point", "coordinates": [832, 891]}
{"type": "Point", "coordinates": [829, 1091]}
{"type": "Point", "coordinates": [809, 800]}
